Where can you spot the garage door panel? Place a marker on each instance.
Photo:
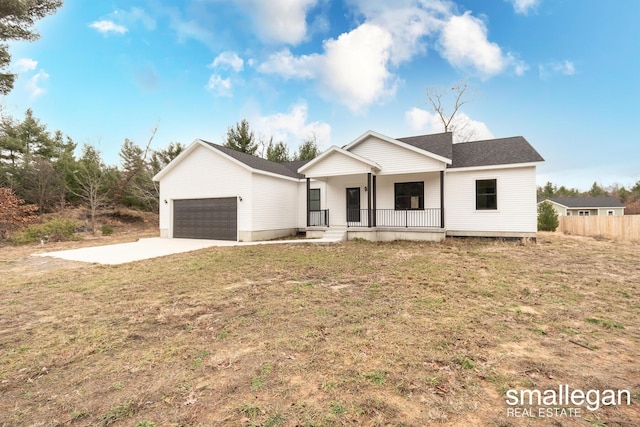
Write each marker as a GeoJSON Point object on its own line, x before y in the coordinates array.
{"type": "Point", "coordinates": [205, 218]}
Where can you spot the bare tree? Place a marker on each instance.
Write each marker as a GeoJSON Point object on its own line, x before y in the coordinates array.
{"type": "Point", "coordinates": [446, 103]}
{"type": "Point", "coordinates": [91, 179]}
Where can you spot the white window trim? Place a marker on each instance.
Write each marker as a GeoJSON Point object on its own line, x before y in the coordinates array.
{"type": "Point", "coordinates": [475, 194]}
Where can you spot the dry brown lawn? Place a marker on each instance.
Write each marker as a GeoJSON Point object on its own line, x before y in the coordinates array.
{"type": "Point", "coordinates": [358, 334]}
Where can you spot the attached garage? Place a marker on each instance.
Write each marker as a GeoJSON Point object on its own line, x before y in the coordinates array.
{"type": "Point", "coordinates": [214, 218]}
{"type": "Point", "coordinates": [213, 192]}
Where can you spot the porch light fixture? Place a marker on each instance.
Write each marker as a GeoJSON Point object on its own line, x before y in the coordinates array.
{"type": "Point", "coordinates": [365, 188]}
{"type": "Point", "coordinates": [165, 201]}
{"type": "Point", "coordinates": [240, 198]}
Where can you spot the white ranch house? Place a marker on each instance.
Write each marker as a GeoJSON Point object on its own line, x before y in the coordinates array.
{"type": "Point", "coordinates": [377, 188]}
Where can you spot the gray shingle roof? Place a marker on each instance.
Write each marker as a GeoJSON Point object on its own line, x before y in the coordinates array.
{"type": "Point", "coordinates": [439, 143]}
{"type": "Point", "coordinates": [493, 152]}
{"type": "Point", "coordinates": [477, 153]}
{"type": "Point", "coordinates": [588, 202]}
{"type": "Point", "coordinates": [257, 162]}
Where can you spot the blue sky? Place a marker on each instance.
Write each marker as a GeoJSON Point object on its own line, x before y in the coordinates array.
{"type": "Point", "coordinates": [564, 74]}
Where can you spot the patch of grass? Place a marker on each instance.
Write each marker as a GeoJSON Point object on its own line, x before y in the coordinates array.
{"type": "Point", "coordinates": [329, 386]}
{"type": "Point", "coordinates": [117, 386]}
{"type": "Point", "coordinates": [258, 383]}
{"type": "Point", "coordinates": [146, 424]}
{"type": "Point", "coordinates": [249, 410]}
{"type": "Point", "coordinates": [276, 420]}
{"type": "Point", "coordinates": [199, 359]}
{"type": "Point", "coordinates": [604, 323]}
{"type": "Point", "coordinates": [337, 408]}
{"type": "Point", "coordinates": [376, 377]}
{"type": "Point", "coordinates": [466, 363]}
{"type": "Point", "coordinates": [118, 413]}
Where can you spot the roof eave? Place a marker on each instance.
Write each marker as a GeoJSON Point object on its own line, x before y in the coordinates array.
{"type": "Point", "coordinates": [489, 167]}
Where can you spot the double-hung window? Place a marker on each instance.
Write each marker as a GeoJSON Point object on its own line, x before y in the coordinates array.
{"type": "Point", "coordinates": [409, 195]}
{"type": "Point", "coordinates": [314, 199]}
{"type": "Point", "coordinates": [486, 194]}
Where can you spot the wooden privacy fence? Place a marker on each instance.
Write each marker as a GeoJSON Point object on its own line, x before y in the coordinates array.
{"type": "Point", "coordinates": [625, 227]}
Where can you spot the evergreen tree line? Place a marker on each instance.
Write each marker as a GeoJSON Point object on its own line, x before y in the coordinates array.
{"type": "Point", "coordinates": [241, 138]}
{"type": "Point", "coordinates": [630, 197]}
{"type": "Point", "coordinates": [42, 168]}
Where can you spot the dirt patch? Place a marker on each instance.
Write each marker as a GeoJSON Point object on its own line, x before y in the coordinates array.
{"type": "Point", "coordinates": [356, 333]}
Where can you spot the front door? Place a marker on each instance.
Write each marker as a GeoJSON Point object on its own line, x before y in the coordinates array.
{"type": "Point", "coordinates": [353, 204]}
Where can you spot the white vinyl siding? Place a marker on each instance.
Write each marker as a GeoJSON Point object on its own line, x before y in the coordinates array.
{"type": "Point", "coordinates": [394, 159]}
{"type": "Point", "coordinates": [516, 193]}
{"type": "Point", "coordinates": [204, 173]}
{"type": "Point", "coordinates": [274, 203]}
{"type": "Point", "coordinates": [337, 164]}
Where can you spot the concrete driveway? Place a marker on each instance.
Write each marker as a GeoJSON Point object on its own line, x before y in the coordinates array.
{"type": "Point", "coordinates": [152, 248]}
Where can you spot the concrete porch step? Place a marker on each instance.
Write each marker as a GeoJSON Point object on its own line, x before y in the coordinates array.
{"type": "Point", "coordinates": [335, 235]}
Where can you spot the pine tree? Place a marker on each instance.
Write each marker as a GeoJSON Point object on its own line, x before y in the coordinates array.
{"type": "Point", "coordinates": [241, 138]}
{"type": "Point", "coordinates": [278, 153]}
{"type": "Point", "coordinates": [547, 217]}
{"type": "Point", "coordinates": [17, 18]}
{"type": "Point", "coordinates": [308, 150]}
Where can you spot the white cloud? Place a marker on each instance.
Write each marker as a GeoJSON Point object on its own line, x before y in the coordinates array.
{"type": "Point", "coordinates": [464, 44]}
{"type": "Point", "coordinates": [420, 120]}
{"type": "Point", "coordinates": [523, 7]}
{"type": "Point", "coordinates": [25, 64]}
{"type": "Point", "coordinates": [105, 27]}
{"type": "Point", "coordinates": [292, 128]}
{"type": "Point", "coordinates": [407, 21]}
{"type": "Point", "coordinates": [288, 66]}
{"type": "Point", "coordinates": [352, 69]}
{"type": "Point", "coordinates": [133, 16]}
{"type": "Point", "coordinates": [566, 68]}
{"type": "Point", "coordinates": [520, 67]}
{"type": "Point", "coordinates": [33, 84]}
{"type": "Point", "coordinates": [356, 69]}
{"type": "Point", "coordinates": [228, 59]}
{"type": "Point", "coordinates": [219, 86]}
{"type": "Point", "coordinates": [464, 127]}
{"type": "Point", "coordinates": [279, 21]}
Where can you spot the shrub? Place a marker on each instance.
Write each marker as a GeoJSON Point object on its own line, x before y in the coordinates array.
{"type": "Point", "coordinates": [547, 217]}
{"type": "Point", "coordinates": [54, 230]}
{"type": "Point", "coordinates": [106, 230]}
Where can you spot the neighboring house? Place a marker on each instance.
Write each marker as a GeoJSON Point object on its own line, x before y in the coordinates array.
{"type": "Point", "coordinates": [376, 187]}
{"type": "Point", "coordinates": [586, 206]}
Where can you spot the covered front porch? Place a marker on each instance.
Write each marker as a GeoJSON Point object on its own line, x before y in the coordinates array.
{"type": "Point", "coordinates": [347, 192]}
{"type": "Point", "coordinates": [377, 207]}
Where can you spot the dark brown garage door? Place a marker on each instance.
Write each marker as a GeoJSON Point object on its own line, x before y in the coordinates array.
{"type": "Point", "coordinates": [205, 218]}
